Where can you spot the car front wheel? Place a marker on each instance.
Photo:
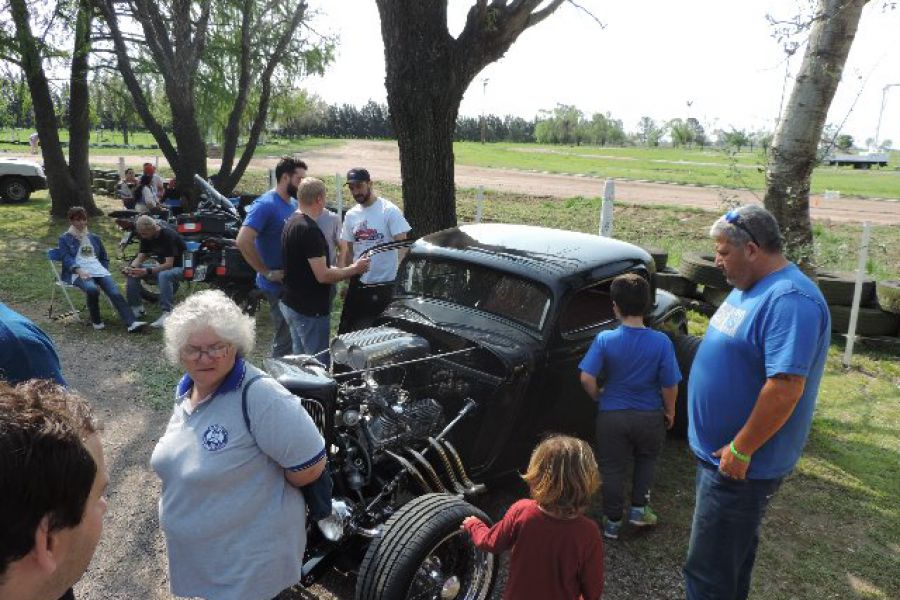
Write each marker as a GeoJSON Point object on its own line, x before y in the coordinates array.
{"type": "Point", "coordinates": [14, 189]}
{"type": "Point", "coordinates": [424, 554]}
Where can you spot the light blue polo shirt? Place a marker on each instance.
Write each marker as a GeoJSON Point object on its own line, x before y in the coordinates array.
{"type": "Point", "coordinates": [267, 215]}
{"type": "Point", "coordinates": [234, 527]}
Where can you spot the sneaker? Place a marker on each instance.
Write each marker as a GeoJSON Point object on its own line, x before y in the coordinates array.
{"type": "Point", "coordinates": [611, 528]}
{"type": "Point", "coordinates": [99, 325]}
{"type": "Point", "coordinates": [136, 326]}
{"type": "Point", "coordinates": [642, 516]}
{"type": "Point", "coordinates": [138, 311]}
{"type": "Point", "coordinates": [161, 320]}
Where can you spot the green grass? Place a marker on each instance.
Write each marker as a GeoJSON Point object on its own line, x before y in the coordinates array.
{"type": "Point", "coordinates": [833, 531]}
{"type": "Point", "coordinates": [675, 165]}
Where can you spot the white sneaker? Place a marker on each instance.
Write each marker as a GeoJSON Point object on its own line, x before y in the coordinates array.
{"type": "Point", "coordinates": [161, 320]}
{"type": "Point", "coordinates": [99, 325]}
{"type": "Point", "coordinates": [138, 311]}
{"type": "Point", "coordinates": [136, 326]}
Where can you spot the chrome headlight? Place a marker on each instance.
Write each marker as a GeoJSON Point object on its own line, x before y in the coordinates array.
{"type": "Point", "coordinates": [334, 526]}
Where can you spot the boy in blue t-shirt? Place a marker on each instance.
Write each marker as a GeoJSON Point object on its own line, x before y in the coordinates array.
{"type": "Point", "coordinates": [636, 402]}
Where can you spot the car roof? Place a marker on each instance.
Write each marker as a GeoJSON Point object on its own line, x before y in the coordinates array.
{"type": "Point", "coordinates": [540, 253]}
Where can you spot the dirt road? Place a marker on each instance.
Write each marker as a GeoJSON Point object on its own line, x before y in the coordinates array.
{"type": "Point", "coordinates": [382, 160]}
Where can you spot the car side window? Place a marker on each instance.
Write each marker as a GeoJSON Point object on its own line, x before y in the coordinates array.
{"type": "Point", "coordinates": [587, 310]}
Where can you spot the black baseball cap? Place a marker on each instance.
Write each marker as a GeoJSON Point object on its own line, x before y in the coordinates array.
{"type": "Point", "coordinates": [358, 175]}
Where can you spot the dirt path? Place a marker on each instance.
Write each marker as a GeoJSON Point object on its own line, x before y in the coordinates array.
{"type": "Point", "coordinates": [382, 160]}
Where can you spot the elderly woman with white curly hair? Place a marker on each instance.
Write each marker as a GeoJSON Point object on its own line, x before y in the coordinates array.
{"type": "Point", "coordinates": [230, 461]}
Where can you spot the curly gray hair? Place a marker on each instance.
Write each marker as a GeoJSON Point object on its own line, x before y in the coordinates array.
{"type": "Point", "coordinates": [208, 309]}
{"type": "Point", "coordinates": [756, 219]}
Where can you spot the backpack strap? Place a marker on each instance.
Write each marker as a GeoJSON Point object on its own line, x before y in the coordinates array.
{"type": "Point", "coordinates": [244, 401]}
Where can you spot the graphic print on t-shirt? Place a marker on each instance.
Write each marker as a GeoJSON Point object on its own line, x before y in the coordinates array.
{"type": "Point", "coordinates": [727, 319]}
{"type": "Point", "coordinates": [364, 233]}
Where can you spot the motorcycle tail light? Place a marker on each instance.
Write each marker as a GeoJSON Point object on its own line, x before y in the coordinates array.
{"type": "Point", "coordinates": [220, 270]}
{"type": "Point", "coordinates": [189, 227]}
{"type": "Point", "coordinates": [188, 273]}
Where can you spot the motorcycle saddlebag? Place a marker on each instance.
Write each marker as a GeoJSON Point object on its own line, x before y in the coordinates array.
{"type": "Point", "coordinates": [236, 266]}
{"type": "Point", "coordinates": [208, 224]}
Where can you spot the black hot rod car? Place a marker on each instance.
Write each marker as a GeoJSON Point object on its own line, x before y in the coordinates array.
{"type": "Point", "coordinates": [474, 359]}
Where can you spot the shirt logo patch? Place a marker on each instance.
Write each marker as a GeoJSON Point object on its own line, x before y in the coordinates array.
{"type": "Point", "coordinates": [215, 438]}
{"type": "Point", "coordinates": [727, 319]}
{"type": "Point", "coordinates": [364, 233]}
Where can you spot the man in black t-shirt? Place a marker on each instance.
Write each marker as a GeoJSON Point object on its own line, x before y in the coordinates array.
{"type": "Point", "coordinates": [308, 274]}
{"type": "Point", "coordinates": [167, 247]}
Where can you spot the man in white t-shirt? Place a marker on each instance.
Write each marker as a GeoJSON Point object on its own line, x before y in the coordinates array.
{"type": "Point", "coordinates": [373, 221]}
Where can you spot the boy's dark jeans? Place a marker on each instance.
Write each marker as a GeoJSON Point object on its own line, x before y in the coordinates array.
{"type": "Point", "coordinates": [622, 436]}
{"type": "Point", "coordinates": [724, 534]}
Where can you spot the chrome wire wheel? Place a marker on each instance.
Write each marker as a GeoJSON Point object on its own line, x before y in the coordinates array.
{"type": "Point", "coordinates": [453, 570]}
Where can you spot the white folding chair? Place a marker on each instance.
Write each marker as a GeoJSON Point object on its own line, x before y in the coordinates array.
{"type": "Point", "coordinates": [55, 256]}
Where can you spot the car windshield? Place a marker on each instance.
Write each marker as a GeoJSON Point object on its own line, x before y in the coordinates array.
{"type": "Point", "coordinates": [478, 287]}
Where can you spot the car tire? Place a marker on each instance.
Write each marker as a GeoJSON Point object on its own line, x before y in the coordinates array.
{"type": "Point", "coordinates": [418, 542]}
{"type": "Point", "coordinates": [671, 280]}
{"type": "Point", "coordinates": [660, 257]}
{"type": "Point", "coordinates": [888, 294]}
{"type": "Point", "coordinates": [14, 189]}
{"type": "Point", "coordinates": [686, 347]}
{"type": "Point", "coordinates": [701, 268]}
{"type": "Point", "coordinates": [871, 321]}
{"type": "Point", "coordinates": [838, 288]}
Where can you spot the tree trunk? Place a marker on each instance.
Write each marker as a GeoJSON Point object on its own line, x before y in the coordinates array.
{"type": "Point", "coordinates": [428, 72]}
{"type": "Point", "coordinates": [792, 156]}
{"type": "Point", "coordinates": [64, 190]}
{"type": "Point", "coordinates": [79, 118]}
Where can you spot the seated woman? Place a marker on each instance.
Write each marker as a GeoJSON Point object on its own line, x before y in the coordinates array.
{"type": "Point", "coordinates": [85, 265]}
{"type": "Point", "coordinates": [145, 198]}
{"type": "Point", "coordinates": [126, 188]}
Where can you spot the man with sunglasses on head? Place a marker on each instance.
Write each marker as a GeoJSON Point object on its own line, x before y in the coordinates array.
{"type": "Point", "coordinates": [751, 396]}
{"type": "Point", "coordinates": [373, 221]}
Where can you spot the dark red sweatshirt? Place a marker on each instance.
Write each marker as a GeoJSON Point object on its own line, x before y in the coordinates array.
{"type": "Point", "coordinates": [552, 558]}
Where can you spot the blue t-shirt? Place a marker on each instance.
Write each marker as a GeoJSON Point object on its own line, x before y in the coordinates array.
{"type": "Point", "coordinates": [267, 216]}
{"type": "Point", "coordinates": [780, 325]}
{"type": "Point", "coordinates": [637, 363]}
{"type": "Point", "coordinates": [25, 351]}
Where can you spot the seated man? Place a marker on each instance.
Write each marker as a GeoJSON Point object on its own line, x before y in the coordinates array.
{"type": "Point", "coordinates": [54, 489]}
{"type": "Point", "coordinates": [168, 248]}
{"type": "Point", "coordinates": [85, 265]}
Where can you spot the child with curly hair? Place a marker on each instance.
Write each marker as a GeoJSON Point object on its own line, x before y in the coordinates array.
{"type": "Point", "coordinates": [557, 552]}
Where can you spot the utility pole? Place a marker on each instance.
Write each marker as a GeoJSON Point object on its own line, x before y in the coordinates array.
{"type": "Point", "coordinates": [884, 92]}
{"type": "Point", "coordinates": [484, 83]}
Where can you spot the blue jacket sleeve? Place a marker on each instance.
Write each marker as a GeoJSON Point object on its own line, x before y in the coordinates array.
{"type": "Point", "coordinates": [102, 256]}
{"type": "Point", "coordinates": [68, 255]}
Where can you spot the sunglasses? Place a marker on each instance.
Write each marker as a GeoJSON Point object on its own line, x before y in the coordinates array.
{"type": "Point", "coordinates": [214, 352]}
{"type": "Point", "coordinates": [732, 217]}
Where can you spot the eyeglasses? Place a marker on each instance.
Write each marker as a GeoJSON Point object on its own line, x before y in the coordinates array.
{"type": "Point", "coordinates": [733, 217]}
{"type": "Point", "coordinates": [214, 352]}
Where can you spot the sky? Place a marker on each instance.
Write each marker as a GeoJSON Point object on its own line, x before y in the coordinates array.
{"type": "Point", "coordinates": [715, 60]}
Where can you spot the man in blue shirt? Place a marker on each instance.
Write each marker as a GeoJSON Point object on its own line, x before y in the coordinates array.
{"type": "Point", "coordinates": [26, 352]}
{"type": "Point", "coordinates": [259, 241]}
{"type": "Point", "coordinates": [751, 397]}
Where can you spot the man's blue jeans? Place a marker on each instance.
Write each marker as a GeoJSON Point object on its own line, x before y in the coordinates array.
{"type": "Point", "coordinates": [111, 289]}
{"type": "Point", "coordinates": [166, 280]}
{"type": "Point", "coordinates": [308, 334]}
{"type": "Point", "coordinates": [725, 534]}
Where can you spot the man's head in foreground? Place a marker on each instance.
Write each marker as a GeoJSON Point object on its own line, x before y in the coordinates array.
{"type": "Point", "coordinates": [53, 480]}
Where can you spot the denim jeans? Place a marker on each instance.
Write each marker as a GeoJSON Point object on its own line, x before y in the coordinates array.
{"type": "Point", "coordinates": [166, 280]}
{"type": "Point", "coordinates": [725, 534]}
{"type": "Point", "coordinates": [282, 344]}
{"type": "Point", "coordinates": [308, 334]}
{"type": "Point", "coordinates": [111, 289]}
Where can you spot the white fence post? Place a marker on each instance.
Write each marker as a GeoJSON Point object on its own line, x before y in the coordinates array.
{"type": "Point", "coordinates": [857, 295]}
{"type": "Point", "coordinates": [606, 209]}
{"type": "Point", "coordinates": [156, 162]}
{"type": "Point", "coordinates": [339, 196]}
{"type": "Point", "coordinates": [479, 204]}
{"type": "Point", "coordinates": [121, 167]}
{"type": "Point", "coordinates": [272, 181]}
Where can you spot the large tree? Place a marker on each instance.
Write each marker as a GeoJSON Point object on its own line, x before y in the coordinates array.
{"type": "Point", "coordinates": [428, 71]}
{"type": "Point", "coordinates": [216, 59]}
{"type": "Point", "coordinates": [69, 182]}
{"type": "Point", "coordinates": [792, 156]}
